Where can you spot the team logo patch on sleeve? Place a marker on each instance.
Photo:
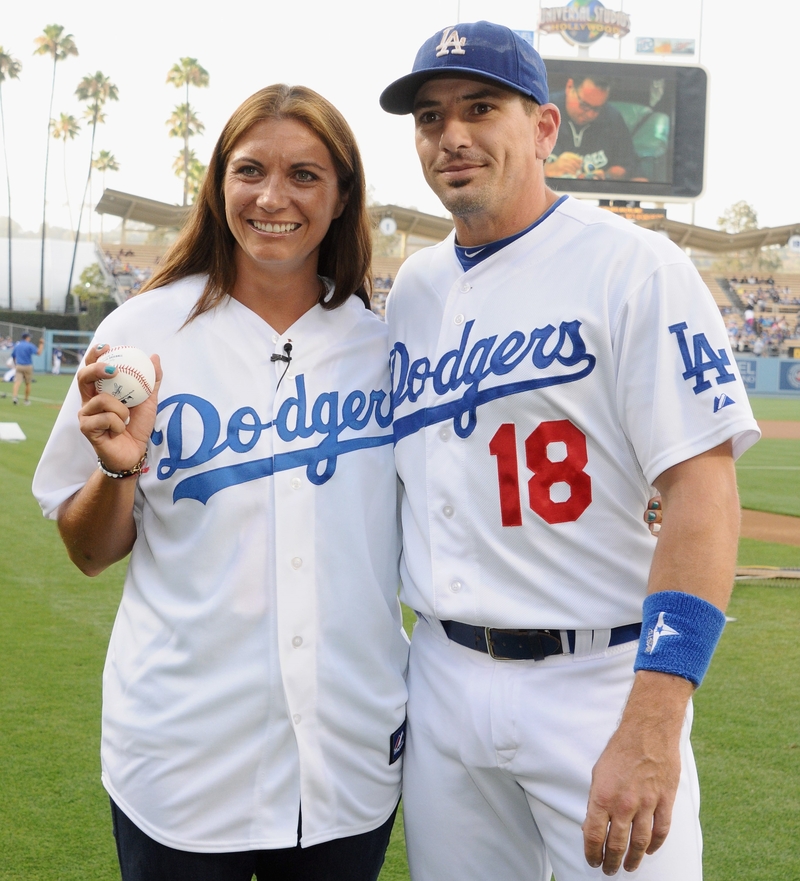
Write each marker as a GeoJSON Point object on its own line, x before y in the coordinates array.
{"type": "Point", "coordinates": [701, 359]}
{"type": "Point", "coordinates": [397, 743]}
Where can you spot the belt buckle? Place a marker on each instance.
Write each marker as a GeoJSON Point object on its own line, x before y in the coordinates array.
{"type": "Point", "coordinates": [490, 645]}
{"type": "Point", "coordinates": [534, 638]}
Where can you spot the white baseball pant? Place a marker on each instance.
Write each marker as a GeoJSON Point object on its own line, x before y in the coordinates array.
{"type": "Point", "coordinates": [499, 759]}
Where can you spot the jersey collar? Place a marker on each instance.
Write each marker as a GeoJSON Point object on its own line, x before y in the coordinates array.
{"type": "Point", "coordinates": [469, 257]}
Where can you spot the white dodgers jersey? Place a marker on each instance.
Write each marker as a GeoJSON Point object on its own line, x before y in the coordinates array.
{"type": "Point", "coordinates": [537, 397]}
{"type": "Point", "coordinates": [257, 658]}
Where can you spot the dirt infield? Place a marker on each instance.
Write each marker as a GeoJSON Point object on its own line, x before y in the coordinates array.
{"type": "Point", "coordinates": [771, 527]}
{"type": "Point", "coordinates": [774, 527]}
{"type": "Point", "coordinates": [780, 430]}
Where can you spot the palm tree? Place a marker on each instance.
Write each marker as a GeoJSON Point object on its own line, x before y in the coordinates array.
{"type": "Point", "coordinates": [95, 117]}
{"type": "Point", "coordinates": [184, 123]}
{"type": "Point", "coordinates": [106, 161]}
{"type": "Point", "coordinates": [66, 128]}
{"type": "Point", "coordinates": [58, 45]}
{"type": "Point", "coordinates": [179, 165]}
{"type": "Point", "coordinates": [96, 89]}
{"type": "Point", "coordinates": [187, 72]}
{"type": "Point", "coordinates": [195, 175]}
{"type": "Point", "coordinates": [9, 70]}
{"type": "Point", "coordinates": [197, 171]}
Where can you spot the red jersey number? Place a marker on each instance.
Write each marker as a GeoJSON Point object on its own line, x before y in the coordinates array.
{"type": "Point", "coordinates": [546, 472]}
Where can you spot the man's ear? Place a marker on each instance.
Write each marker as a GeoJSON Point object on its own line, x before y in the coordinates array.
{"type": "Point", "coordinates": [548, 120]}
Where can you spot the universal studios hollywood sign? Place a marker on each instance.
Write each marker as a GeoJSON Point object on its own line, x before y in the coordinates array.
{"type": "Point", "coordinates": [581, 22]}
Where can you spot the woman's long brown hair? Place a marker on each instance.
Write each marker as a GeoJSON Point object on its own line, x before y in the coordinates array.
{"type": "Point", "coordinates": [206, 245]}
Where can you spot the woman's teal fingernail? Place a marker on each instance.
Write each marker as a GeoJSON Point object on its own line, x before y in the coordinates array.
{"type": "Point", "coordinates": [651, 516]}
{"type": "Point", "coordinates": [110, 369]}
{"type": "Point", "coordinates": [655, 505]}
{"type": "Point", "coordinates": [101, 346]}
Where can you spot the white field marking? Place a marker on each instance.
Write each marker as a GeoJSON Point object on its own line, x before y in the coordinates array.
{"type": "Point", "coordinates": [769, 467]}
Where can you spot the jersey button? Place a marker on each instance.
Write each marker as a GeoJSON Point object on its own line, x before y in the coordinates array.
{"type": "Point", "coordinates": [289, 374]}
{"type": "Point", "coordinates": [448, 511]}
{"type": "Point", "coordinates": [444, 434]}
{"type": "Point", "coordinates": [297, 641]}
{"type": "Point", "coordinates": [456, 586]}
{"type": "Point", "coordinates": [295, 483]}
{"type": "Point", "coordinates": [296, 718]}
{"type": "Point", "coordinates": [296, 562]}
{"type": "Point", "coordinates": [464, 287]}
{"type": "Point", "coordinates": [275, 337]}
{"type": "Point", "coordinates": [459, 319]}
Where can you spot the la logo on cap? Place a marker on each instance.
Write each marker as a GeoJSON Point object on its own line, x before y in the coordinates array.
{"type": "Point", "coordinates": [451, 42]}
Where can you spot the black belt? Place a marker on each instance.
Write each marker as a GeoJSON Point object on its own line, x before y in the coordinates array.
{"type": "Point", "coordinates": [525, 645]}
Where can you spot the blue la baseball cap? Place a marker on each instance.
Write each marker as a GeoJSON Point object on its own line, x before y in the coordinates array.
{"type": "Point", "coordinates": [491, 51]}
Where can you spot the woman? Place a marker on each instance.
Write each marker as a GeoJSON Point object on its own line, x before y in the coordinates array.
{"type": "Point", "coordinates": [253, 695]}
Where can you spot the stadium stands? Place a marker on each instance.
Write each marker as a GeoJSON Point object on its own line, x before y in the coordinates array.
{"type": "Point", "coordinates": [773, 328]}
{"type": "Point", "coordinates": [384, 272]}
{"type": "Point", "coordinates": [781, 289]}
{"type": "Point", "coordinates": [718, 292]}
{"type": "Point", "coordinates": [131, 265]}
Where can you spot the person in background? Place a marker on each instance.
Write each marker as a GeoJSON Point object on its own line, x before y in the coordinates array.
{"type": "Point", "coordinates": [593, 140]}
{"type": "Point", "coordinates": [22, 355]}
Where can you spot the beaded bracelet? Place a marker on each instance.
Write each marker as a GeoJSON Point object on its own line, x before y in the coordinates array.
{"type": "Point", "coordinates": [137, 469]}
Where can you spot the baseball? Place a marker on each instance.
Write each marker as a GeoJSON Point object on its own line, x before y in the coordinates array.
{"type": "Point", "coordinates": [135, 378]}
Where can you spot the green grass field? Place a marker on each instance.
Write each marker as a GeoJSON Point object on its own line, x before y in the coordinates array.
{"type": "Point", "coordinates": [769, 477]}
{"type": "Point", "coordinates": [780, 409]}
{"type": "Point", "coordinates": [54, 627]}
{"type": "Point", "coordinates": [769, 472]}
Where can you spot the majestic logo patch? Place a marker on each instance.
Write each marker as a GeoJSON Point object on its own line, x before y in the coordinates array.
{"type": "Point", "coordinates": [722, 401]}
{"type": "Point", "coordinates": [451, 43]}
{"type": "Point", "coordinates": [705, 359]}
{"type": "Point", "coordinates": [660, 631]}
{"type": "Point", "coordinates": [397, 743]}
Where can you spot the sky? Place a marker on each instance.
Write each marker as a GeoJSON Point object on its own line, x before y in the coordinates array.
{"type": "Point", "coordinates": [349, 51]}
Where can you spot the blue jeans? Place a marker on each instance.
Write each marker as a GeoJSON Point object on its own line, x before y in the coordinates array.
{"type": "Point", "coordinates": [357, 858]}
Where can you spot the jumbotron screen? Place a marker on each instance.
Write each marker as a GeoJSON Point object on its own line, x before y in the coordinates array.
{"type": "Point", "coordinates": [628, 130]}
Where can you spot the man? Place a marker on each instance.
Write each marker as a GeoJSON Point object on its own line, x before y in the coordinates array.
{"type": "Point", "coordinates": [22, 354]}
{"type": "Point", "coordinates": [550, 363]}
{"type": "Point", "coordinates": [593, 140]}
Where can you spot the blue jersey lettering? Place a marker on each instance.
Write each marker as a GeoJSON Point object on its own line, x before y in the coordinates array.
{"type": "Point", "coordinates": [471, 364]}
{"type": "Point", "coordinates": [326, 417]}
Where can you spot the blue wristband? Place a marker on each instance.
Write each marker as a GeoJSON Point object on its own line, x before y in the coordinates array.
{"type": "Point", "coordinates": [679, 634]}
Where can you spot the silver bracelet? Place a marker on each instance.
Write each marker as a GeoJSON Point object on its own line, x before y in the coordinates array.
{"type": "Point", "coordinates": [137, 469]}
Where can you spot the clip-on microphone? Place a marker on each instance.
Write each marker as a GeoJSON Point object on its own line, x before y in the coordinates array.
{"type": "Point", "coordinates": [287, 348]}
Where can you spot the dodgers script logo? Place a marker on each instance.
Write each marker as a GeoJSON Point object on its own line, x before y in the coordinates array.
{"type": "Point", "coordinates": [473, 362]}
{"type": "Point", "coordinates": [326, 417]}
